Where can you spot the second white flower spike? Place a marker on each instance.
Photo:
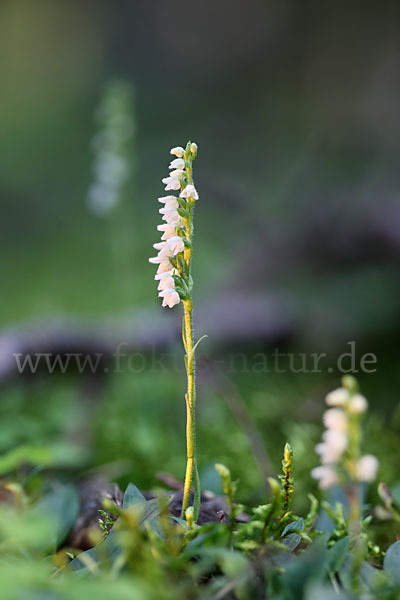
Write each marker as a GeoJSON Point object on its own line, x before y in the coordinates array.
{"type": "Point", "coordinates": [340, 449]}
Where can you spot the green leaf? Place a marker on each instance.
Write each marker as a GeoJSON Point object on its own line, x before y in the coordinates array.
{"type": "Point", "coordinates": [337, 554]}
{"type": "Point", "coordinates": [304, 570]}
{"type": "Point", "coordinates": [373, 578]}
{"type": "Point", "coordinates": [292, 541]}
{"type": "Point", "coordinates": [132, 496]}
{"type": "Point", "coordinates": [294, 526]}
{"type": "Point", "coordinates": [149, 512]}
{"type": "Point", "coordinates": [395, 491]}
{"type": "Point", "coordinates": [209, 535]}
{"type": "Point", "coordinates": [180, 521]}
{"type": "Point", "coordinates": [61, 507]}
{"type": "Point", "coordinates": [391, 564]}
{"type": "Point", "coordinates": [86, 561]}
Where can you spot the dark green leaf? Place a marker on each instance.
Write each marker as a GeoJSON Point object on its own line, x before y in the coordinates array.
{"type": "Point", "coordinates": [391, 564]}
{"type": "Point", "coordinates": [61, 506]}
{"type": "Point", "coordinates": [337, 554]}
{"type": "Point", "coordinates": [294, 526]}
{"type": "Point", "coordinates": [372, 577]}
{"type": "Point", "coordinates": [132, 496]}
{"type": "Point", "coordinates": [292, 541]}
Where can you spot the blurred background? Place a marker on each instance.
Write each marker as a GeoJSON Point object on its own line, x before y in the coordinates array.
{"type": "Point", "coordinates": [295, 109]}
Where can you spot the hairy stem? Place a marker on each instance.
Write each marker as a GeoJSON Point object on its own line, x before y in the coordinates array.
{"type": "Point", "coordinates": [191, 466]}
{"type": "Point", "coordinates": [192, 475]}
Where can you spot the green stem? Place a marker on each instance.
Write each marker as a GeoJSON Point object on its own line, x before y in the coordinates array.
{"type": "Point", "coordinates": [353, 495]}
{"type": "Point", "coordinates": [192, 475]}
{"type": "Point", "coordinates": [191, 466]}
{"type": "Point", "coordinates": [355, 534]}
{"type": "Point", "coordinates": [197, 492]}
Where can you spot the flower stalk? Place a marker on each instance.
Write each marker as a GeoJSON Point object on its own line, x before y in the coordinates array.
{"type": "Point", "coordinates": [191, 466]}
{"type": "Point", "coordinates": [342, 461]}
{"type": "Point", "coordinates": [174, 262]}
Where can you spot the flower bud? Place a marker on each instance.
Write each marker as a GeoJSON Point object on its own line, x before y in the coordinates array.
{"type": "Point", "coordinates": [189, 516]}
{"type": "Point", "coordinates": [287, 455]}
{"type": "Point", "coordinates": [222, 471]}
{"type": "Point", "coordinates": [350, 383]}
{"type": "Point", "coordinates": [385, 495]}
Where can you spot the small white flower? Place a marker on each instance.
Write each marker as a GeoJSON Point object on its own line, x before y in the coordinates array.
{"type": "Point", "coordinates": [336, 419]}
{"type": "Point", "coordinates": [169, 230]}
{"type": "Point", "coordinates": [164, 266]}
{"type": "Point", "coordinates": [159, 245]}
{"type": "Point", "coordinates": [357, 404]}
{"type": "Point", "coordinates": [176, 244]}
{"type": "Point", "coordinates": [171, 183]}
{"type": "Point", "coordinates": [177, 174]}
{"type": "Point", "coordinates": [171, 247]}
{"type": "Point", "coordinates": [164, 210]}
{"type": "Point", "coordinates": [329, 455]}
{"type": "Point", "coordinates": [166, 252]}
{"type": "Point", "coordinates": [189, 192]}
{"type": "Point", "coordinates": [163, 262]}
{"type": "Point", "coordinates": [333, 446]}
{"type": "Point", "coordinates": [177, 151]}
{"type": "Point", "coordinates": [170, 297]}
{"type": "Point", "coordinates": [193, 148]}
{"type": "Point", "coordinates": [169, 201]}
{"type": "Point", "coordinates": [177, 163]}
{"type": "Point", "coordinates": [156, 260]}
{"type": "Point", "coordinates": [170, 215]}
{"type": "Point", "coordinates": [160, 276]}
{"type": "Point", "coordinates": [336, 440]}
{"type": "Point", "coordinates": [166, 283]}
{"type": "Point", "coordinates": [326, 476]}
{"type": "Point", "coordinates": [367, 468]}
{"type": "Point", "coordinates": [172, 218]}
{"type": "Point", "coordinates": [338, 397]}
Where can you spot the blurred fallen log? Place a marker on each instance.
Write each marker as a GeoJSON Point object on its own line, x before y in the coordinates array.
{"type": "Point", "coordinates": [93, 491]}
{"type": "Point", "coordinates": [265, 318]}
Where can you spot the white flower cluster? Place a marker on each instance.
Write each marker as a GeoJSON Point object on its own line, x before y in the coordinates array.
{"type": "Point", "coordinates": [173, 229]}
{"type": "Point", "coordinates": [335, 439]}
{"type": "Point", "coordinates": [112, 147]}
